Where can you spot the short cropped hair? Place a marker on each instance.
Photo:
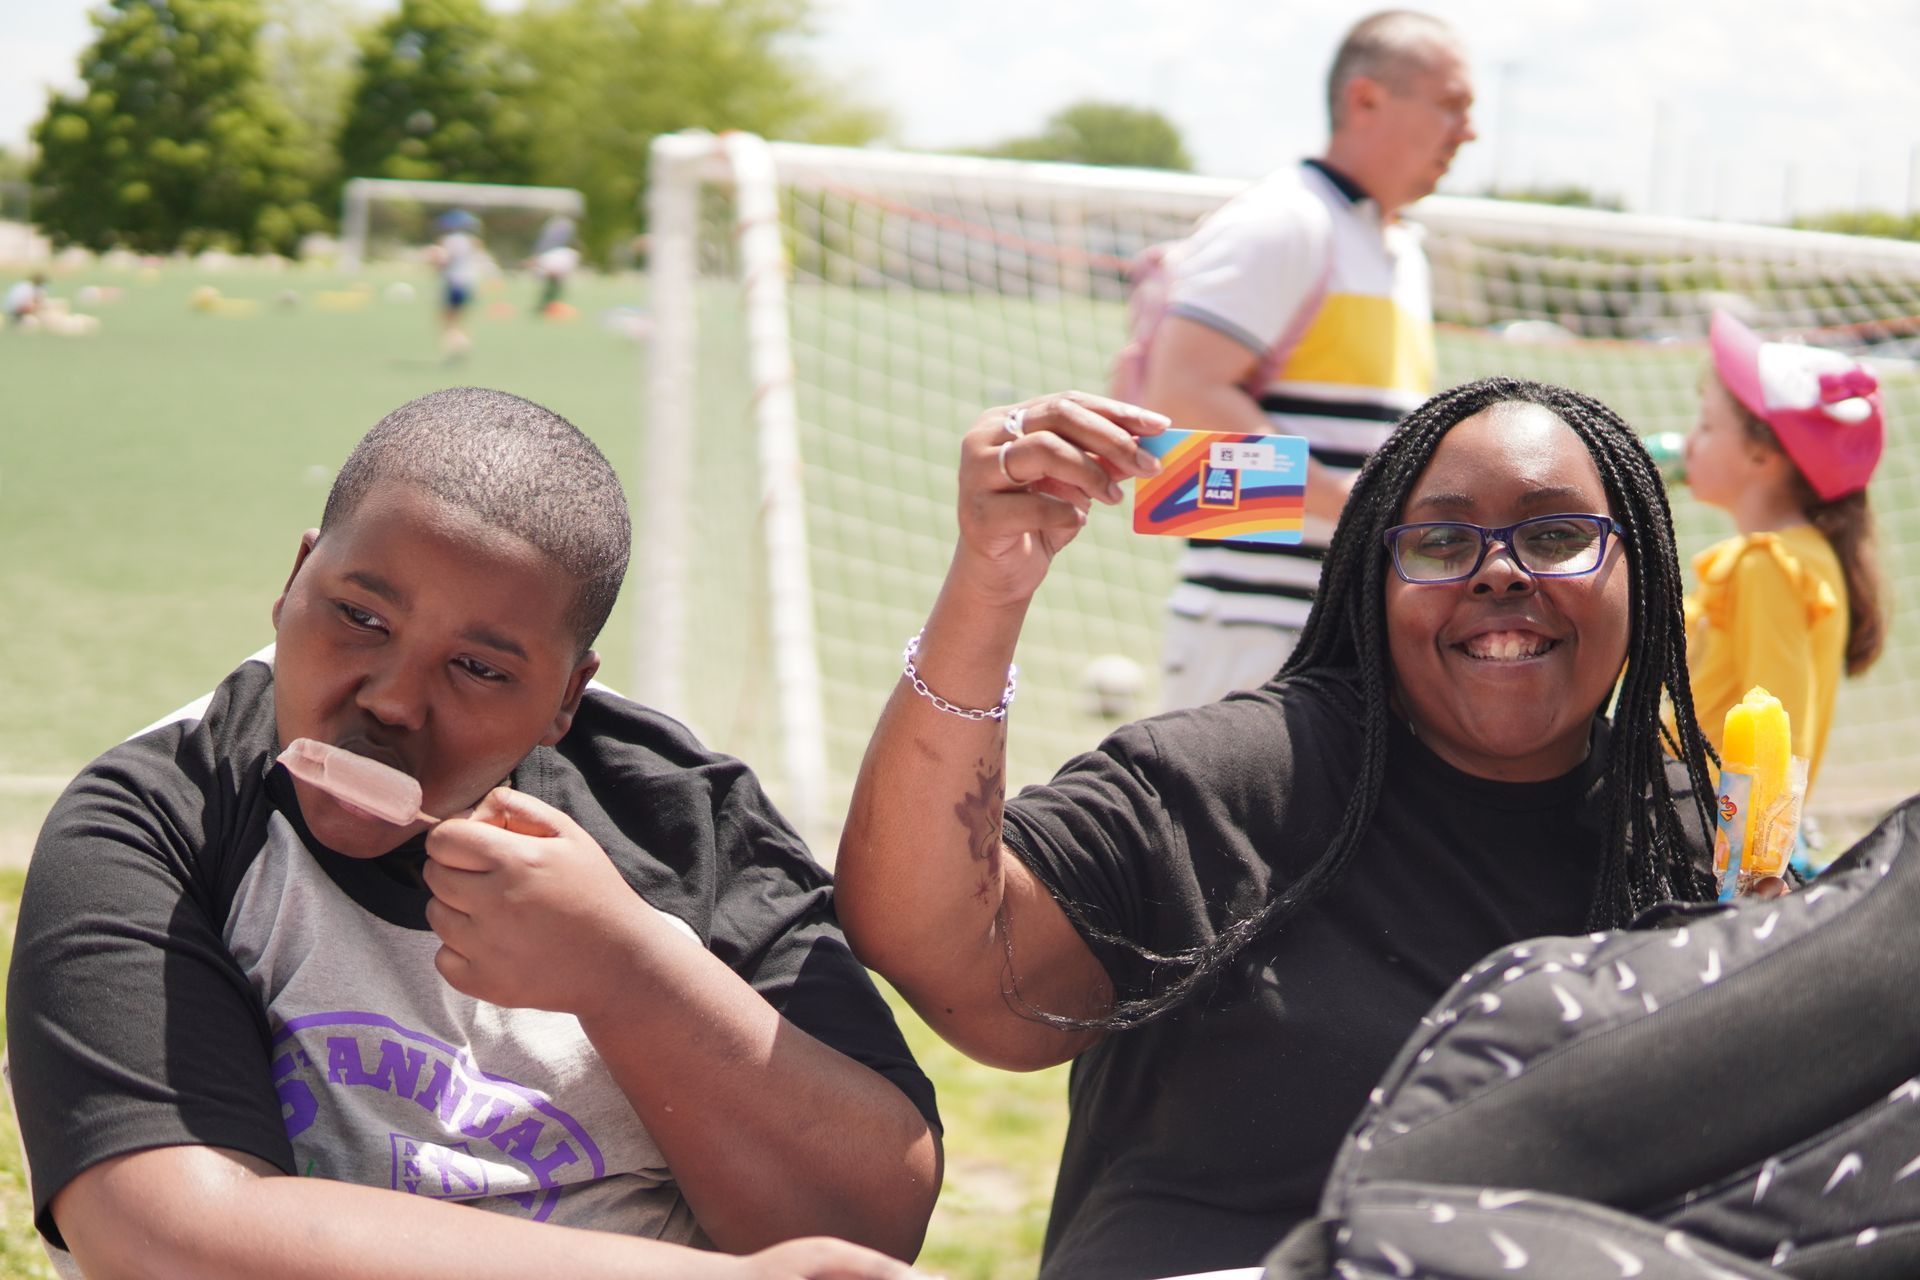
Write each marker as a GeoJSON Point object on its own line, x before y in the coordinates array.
{"type": "Point", "coordinates": [514, 466]}
{"type": "Point", "coordinates": [1390, 47]}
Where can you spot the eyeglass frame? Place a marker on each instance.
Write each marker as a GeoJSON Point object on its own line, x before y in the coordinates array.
{"type": "Point", "coordinates": [1609, 527]}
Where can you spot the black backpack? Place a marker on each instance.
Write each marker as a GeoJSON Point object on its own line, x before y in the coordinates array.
{"type": "Point", "coordinates": [1719, 1091]}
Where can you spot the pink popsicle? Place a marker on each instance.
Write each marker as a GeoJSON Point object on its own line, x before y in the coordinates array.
{"type": "Point", "coordinates": [381, 790]}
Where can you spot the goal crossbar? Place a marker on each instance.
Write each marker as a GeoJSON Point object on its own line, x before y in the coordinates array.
{"type": "Point", "coordinates": [359, 194]}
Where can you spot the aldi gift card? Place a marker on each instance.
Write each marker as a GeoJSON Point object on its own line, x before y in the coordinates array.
{"type": "Point", "coordinates": [1225, 485]}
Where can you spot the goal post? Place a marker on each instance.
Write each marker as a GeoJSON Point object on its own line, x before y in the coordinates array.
{"type": "Point", "coordinates": [417, 203]}
{"type": "Point", "coordinates": [829, 320]}
{"type": "Point", "coordinates": [673, 495]}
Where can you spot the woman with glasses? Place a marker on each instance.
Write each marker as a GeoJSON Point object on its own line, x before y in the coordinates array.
{"type": "Point", "coordinates": [1230, 917]}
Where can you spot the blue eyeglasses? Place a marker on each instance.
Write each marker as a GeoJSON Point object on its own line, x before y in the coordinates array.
{"type": "Point", "coordinates": [1562, 546]}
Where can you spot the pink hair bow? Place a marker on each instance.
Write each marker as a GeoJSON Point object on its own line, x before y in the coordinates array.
{"type": "Point", "coordinates": [1835, 387]}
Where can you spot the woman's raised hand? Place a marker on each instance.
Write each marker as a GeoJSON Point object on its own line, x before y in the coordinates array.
{"type": "Point", "coordinates": [1030, 472]}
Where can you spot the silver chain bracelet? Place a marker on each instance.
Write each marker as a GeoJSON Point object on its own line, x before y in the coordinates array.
{"type": "Point", "coordinates": [940, 703]}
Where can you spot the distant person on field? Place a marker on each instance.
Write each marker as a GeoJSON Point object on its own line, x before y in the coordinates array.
{"type": "Point", "coordinates": [554, 258]}
{"type": "Point", "coordinates": [459, 256]}
{"type": "Point", "coordinates": [26, 298]}
{"type": "Point", "coordinates": [1787, 438]}
{"type": "Point", "coordinates": [1315, 261]}
{"type": "Point", "coordinates": [600, 1011]}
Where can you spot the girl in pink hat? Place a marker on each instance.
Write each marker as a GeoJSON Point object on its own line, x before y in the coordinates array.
{"type": "Point", "coordinates": [1787, 438]}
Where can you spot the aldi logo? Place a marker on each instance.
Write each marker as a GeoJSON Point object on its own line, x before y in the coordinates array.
{"type": "Point", "coordinates": [1219, 487]}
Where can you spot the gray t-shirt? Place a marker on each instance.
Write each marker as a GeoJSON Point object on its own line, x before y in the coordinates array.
{"type": "Point", "coordinates": [192, 968]}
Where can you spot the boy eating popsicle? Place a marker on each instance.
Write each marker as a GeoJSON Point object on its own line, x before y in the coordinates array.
{"type": "Point", "coordinates": [613, 996]}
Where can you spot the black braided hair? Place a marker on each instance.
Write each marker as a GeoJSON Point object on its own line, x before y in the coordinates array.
{"type": "Point", "coordinates": [1647, 857]}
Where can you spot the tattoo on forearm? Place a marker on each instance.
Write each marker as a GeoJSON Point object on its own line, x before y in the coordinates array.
{"type": "Point", "coordinates": [979, 811]}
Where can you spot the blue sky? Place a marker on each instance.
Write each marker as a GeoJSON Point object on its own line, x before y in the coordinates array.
{"type": "Point", "coordinates": [1728, 108]}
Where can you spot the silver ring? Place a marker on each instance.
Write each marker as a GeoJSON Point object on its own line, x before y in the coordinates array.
{"type": "Point", "coordinates": [1015, 423]}
{"type": "Point", "coordinates": [1001, 454]}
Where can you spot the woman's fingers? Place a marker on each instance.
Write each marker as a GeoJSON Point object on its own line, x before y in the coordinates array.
{"type": "Point", "coordinates": [1045, 511]}
{"type": "Point", "coordinates": [1073, 497]}
{"type": "Point", "coordinates": [1029, 474]}
{"type": "Point", "coordinates": [1030, 511]}
{"type": "Point", "coordinates": [1106, 429]}
{"type": "Point", "coordinates": [1046, 456]}
{"type": "Point", "coordinates": [1134, 419]}
{"type": "Point", "coordinates": [1063, 445]}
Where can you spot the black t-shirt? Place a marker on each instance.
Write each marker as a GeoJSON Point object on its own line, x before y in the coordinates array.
{"type": "Point", "coordinates": [192, 968]}
{"type": "Point", "coordinates": [1196, 1141]}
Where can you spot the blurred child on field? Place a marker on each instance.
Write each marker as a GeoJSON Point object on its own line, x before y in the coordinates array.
{"type": "Point", "coordinates": [26, 298]}
{"type": "Point", "coordinates": [458, 255]}
{"type": "Point", "coordinates": [1786, 440]}
{"type": "Point", "coordinates": [554, 258]}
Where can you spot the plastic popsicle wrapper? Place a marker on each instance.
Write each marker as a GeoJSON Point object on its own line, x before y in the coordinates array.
{"type": "Point", "coordinates": [381, 790]}
{"type": "Point", "coordinates": [1762, 785]}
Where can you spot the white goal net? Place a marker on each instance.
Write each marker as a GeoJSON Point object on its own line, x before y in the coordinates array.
{"type": "Point", "coordinates": [828, 321]}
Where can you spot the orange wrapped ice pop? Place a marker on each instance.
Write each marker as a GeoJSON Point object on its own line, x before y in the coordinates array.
{"type": "Point", "coordinates": [379, 789]}
{"type": "Point", "coordinates": [1761, 784]}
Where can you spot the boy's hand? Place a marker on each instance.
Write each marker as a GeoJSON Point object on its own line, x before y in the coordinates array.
{"type": "Point", "coordinates": [530, 911]}
{"type": "Point", "coordinates": [820, 1258]}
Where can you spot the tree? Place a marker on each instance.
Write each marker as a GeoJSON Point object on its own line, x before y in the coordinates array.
{"type": "Point", "coordinates": [308, 50]}
{"type": "Point", "coordinates": [173, 140]}
{"type": "Point", "coordinates": [611, 74]}
{"type": "Point", "coordinates": [1108, 133]}
{"type": "Point", "coordinates": [436, 100]}
{"type": "Point", "coordinates": [13, 186]}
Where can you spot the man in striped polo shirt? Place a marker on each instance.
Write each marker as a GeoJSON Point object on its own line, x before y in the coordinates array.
{"type": "Point", "coordinates": [1313, 265]}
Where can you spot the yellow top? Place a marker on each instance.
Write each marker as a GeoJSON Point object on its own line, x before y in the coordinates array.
{"type": "Point", "coordinates": [1770, 610]}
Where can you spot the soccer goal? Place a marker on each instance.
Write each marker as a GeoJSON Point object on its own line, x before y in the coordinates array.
{"type": "Point", "coordinates": [829, 320]}
{"type": "Point", "coordinates": [382, 216]}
